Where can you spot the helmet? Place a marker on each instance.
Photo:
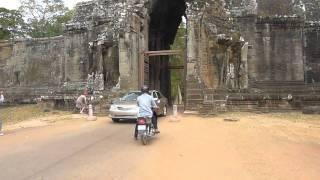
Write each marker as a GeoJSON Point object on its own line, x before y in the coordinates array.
{"type": "Point", "coordinates": [145, 89]}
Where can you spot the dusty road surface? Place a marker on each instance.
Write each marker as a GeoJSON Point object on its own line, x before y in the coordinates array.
{"type": "Point", "coordinates": [257, 146]}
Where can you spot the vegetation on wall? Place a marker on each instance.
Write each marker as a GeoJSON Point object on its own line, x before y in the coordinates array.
{"type": "Point", "coordinates": [312, 9]}
{"type": "Point", "coordinates": [178, 61]}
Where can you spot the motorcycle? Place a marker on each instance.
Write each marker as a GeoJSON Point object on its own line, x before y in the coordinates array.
{"type": "Point", "coordinates": [145, 129]}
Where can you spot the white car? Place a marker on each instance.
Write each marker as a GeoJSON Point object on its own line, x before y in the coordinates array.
{"type": "Point", "coordinates": [126, 106]}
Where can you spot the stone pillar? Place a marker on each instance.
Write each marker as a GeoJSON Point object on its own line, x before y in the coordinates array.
{"type": "Point", "coordinates": [249, 31]}
{"type": "Point", "coordinates": [193, 85]}
{"type": "Point", "coordinates": [99, 57]}
{"type": "Point", "coordinates": [244, 80]}
{"type": "Point", "coordinates": [267, 51]}
{"type": "Point", "coordinates": [130, 52]}
{"type": "Point", "coordinates": [191, 47]}
{"type": "Point", "coordinates": [124, 63]}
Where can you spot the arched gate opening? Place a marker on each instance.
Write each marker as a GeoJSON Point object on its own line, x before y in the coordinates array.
{"type": "Point", "coordinates": [165, 18]}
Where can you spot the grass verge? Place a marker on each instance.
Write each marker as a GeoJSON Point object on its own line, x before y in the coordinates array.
{"type": "Point", "coordinates": [16, 114]}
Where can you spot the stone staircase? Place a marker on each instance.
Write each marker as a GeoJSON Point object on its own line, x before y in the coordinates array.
{"type": "Point", "coordinates": [269, 100]}
{"type": "Point", "coordinates": [278, 87]}
{"type": "Point", "coordinates": [214, 102]}
{"type": "Point", "coordinates": [194, 99]}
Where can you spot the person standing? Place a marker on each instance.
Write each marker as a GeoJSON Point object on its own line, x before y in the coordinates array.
{"type": "Point", "coordinates": [1, 97]}
{"type": "Point", "coordinates": [1, 102]}
{"type": "Point", "coordinates": [81, 102]}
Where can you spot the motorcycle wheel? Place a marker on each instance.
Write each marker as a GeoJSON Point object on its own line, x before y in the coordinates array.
{"type": "Point", "coordinates": [144, 139]}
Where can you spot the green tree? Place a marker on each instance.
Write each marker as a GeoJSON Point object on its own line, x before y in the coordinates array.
{"type": "Point", "coordinates": [45, 17]}
{"type": "Point", "coordinates": [12, 24]}
{"type": "Point", "coordinates": [312, 9]}
{"type": "Point", "coordinates": [55, 28]}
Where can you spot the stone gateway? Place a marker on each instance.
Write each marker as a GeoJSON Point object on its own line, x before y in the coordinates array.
{"type": "Point", "coordinates": [234, 60]}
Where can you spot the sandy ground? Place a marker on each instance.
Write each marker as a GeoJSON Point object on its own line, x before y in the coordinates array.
{"type": "Point", "coordinates": [266, 146]}
{"type": "Point", "coordinates": [256, 146]}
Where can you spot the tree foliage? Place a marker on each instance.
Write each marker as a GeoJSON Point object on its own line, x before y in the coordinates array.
{"type": "Point", "coordinates": [11, 24]}
{"type": "Point", "coordinates": [45, 17]}
{"type": "Point", "coordinates": [312, 9]}
{"type": "Point", "coordinates": [178, 74]}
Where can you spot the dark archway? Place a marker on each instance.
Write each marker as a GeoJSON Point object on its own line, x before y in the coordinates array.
{"type": "Point", "coordinates": [165, 18]}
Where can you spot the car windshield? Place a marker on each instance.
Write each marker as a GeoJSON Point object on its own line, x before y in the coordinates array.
{"type": "Point", "coordinates": [131, 96]}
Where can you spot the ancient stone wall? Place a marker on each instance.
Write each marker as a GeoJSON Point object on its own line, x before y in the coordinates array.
{"type": "Point", "coordinates": [76, 57]}
{"type": "Point", "coordinates": [103, 35]}
{"type": "Point", "coordinates": [132, 45]}
{"type": "Point", "coordinates": [312, 52]}
{"type": "Point", "coordinates": [273, 65]}
{"type": "Point", "coordinates": [214, 55]}
{"type": "Point", "coordinates": [32, 63]}
{"type": "Point", "coordinates": [253, 62]}
{"type": "Point", "coordinates": [276, 48]}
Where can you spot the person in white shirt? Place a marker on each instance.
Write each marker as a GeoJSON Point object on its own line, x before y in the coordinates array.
{"type": "Point", "coordinates": [1, 97]}
{"type": "Point", "coordinates": [81, 102]}
{"type": "Point", "coordinates": [1, 101]}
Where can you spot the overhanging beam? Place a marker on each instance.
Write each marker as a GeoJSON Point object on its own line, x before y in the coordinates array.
{"type": "Point", "coordinates": [163, 53]}
{"type": "Point", "coordinates": [176, 67]}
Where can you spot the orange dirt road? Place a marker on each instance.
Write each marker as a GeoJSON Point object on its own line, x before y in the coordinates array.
{"type": "Point", "coordinates": [257, 146]}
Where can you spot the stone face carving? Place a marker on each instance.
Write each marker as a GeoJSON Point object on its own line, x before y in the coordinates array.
{"type": "Point", "coordinates": [100, 82]}
{"type": "Point", "coordinates": [243, 73]}
{"type": "Point", "coordinates": [243, 7]}
{"type": "Point", "coordinates": [117, 87]}
{"type": "Point", "coordinates": [90, 82]}
{"type": "Point", "coordinates": [250, 7]}
{"type": "Point", "coordinates": [230, 76]}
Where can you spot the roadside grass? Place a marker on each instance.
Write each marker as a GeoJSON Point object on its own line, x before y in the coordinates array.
{"type": "Point", "coordinates": [16, 114]}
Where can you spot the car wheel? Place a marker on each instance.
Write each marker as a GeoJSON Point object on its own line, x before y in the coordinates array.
{"type": "Point", "coordinates": [164, 111]}
{"type": "Point", "coordinates": [115, 120]}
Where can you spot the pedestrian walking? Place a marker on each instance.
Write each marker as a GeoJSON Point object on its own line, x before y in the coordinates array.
{"type": "Point", "coordinates": [1, 133]}
{"type": "Point", "coordinates": [1, 102]}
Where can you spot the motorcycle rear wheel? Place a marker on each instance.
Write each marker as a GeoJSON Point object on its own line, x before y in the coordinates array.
{"type": "Point", "coordinates": [144, 139]}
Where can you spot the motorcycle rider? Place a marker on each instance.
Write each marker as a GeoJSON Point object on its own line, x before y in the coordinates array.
{"type": "Point", "coordinates": [146, 103]}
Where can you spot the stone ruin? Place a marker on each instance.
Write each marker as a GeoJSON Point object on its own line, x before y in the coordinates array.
{"type": "Point", "coordinates": [234, 59]}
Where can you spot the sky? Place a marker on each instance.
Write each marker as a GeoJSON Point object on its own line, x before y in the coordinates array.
{"type": "Point", "coordinates": [14, 4]}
